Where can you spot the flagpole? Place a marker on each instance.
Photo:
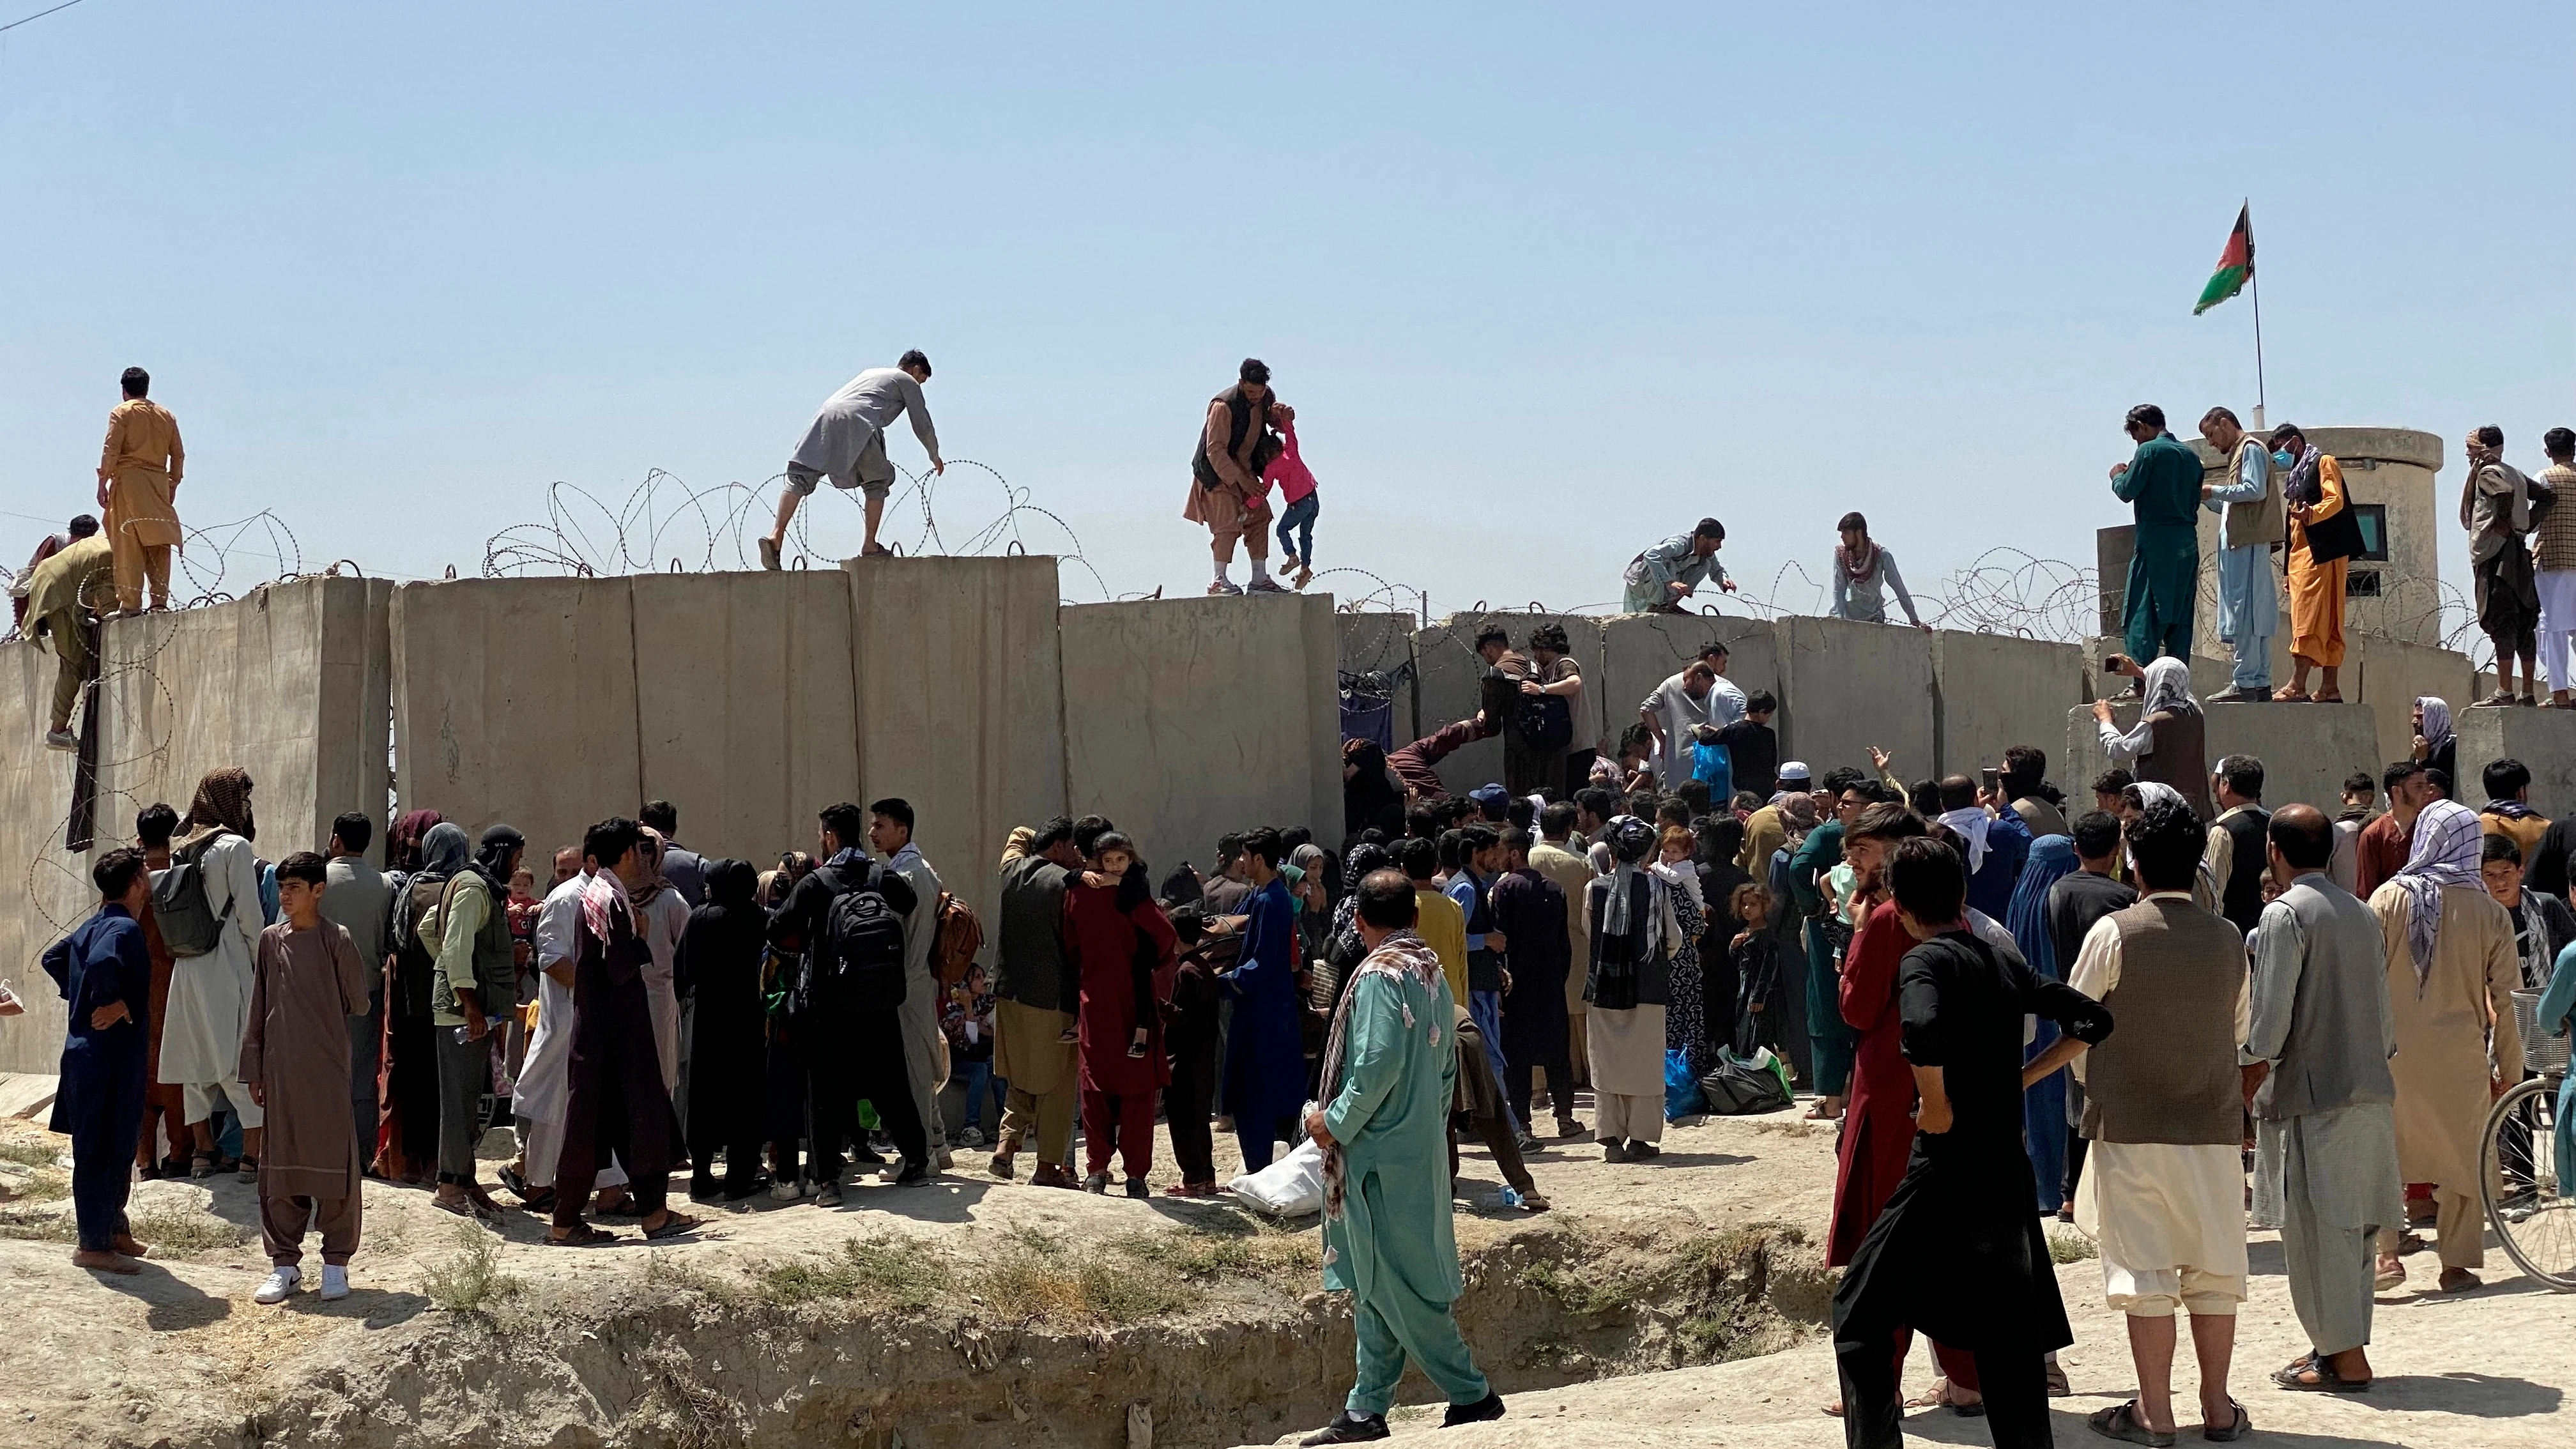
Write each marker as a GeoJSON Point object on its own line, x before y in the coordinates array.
{"type": "Point", "coordinates": [2254, 279]}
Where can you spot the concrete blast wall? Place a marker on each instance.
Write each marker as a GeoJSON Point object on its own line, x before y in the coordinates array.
{"type": "Point", "coordinates": [1641, 651]}
{"type": "Point", "coordinates": [2543, 739]}
{"type": "Point", "coordinates": [1996, 692]}
{"type": "Point", "coordinates": [1185, 719]}
{"type": "Point", "coordinates": [961, 704]}
{"type": "Point", "coordinates": [1850, 686]}
{"type": "Point", "coordinates": [289, 683]}
{"type": "Point", "coordinates": [2306, 749]}
{"type": "Point", "coordinates": [760, 698]}
{"type": "Point", "coordinates": [1381, 643]}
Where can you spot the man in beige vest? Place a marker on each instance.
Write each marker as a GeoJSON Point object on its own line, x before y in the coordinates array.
{"type": "Point", "coordinates": [2252, 522]}
{"type": "Point", "coordinates": [2163, 1190]}
{"type": "Point", "coordinates": [1561, 859]}
{"type": "Point", "coordinates": [138, 490]}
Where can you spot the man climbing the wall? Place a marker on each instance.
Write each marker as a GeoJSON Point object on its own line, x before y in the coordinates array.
{"type": "Point", "coordinates": [846, 443]}
{"type": "Point", "coordinates": [62, 593]}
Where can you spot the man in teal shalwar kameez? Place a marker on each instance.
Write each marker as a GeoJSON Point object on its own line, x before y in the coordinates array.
{"type": "Point", "coordinates": [2162, 484]}
{"type": "Point", "coordinates": [1390, 1072]}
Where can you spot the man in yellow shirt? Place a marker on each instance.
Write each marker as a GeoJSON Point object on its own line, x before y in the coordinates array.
{"type": "Point", "coordinates": [1441, 925]}
{"type": "Point", "coordinates": [138, 484]}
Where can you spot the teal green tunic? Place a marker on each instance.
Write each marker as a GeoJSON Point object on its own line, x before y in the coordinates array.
{"type": "Point", "coordinates": [2163, 487]}
{"type": "Point", "coordinates": [1392, 1118]}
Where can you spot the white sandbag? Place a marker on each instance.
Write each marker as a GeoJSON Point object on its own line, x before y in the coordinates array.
{"type": "Point", "coordinates": [1290, 1187]}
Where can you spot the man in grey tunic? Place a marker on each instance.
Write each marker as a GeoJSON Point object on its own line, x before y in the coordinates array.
{"type": "Point", "coordinates": [2325, 1169]}
{"type": "Point", "coordinates": [846, 443]}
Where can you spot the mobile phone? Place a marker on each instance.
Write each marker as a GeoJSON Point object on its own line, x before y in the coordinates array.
{"type": "Point", "coordinates": [1993, 777]}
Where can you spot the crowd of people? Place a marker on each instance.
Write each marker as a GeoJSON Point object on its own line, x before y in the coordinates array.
{"type": "Point", "coordinates": [2212, 988]}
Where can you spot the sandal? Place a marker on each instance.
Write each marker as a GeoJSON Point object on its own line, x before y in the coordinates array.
{"type": "Point", "coordinates": [2388, 1278]}
{"type": "Point", "coordinates": [1938, 1396]}
{"type": "Point", "coordinates": [674, 1225]}
{"type": "Point", "coordinates": [2309, 1374]}
{"type": "Point", "coordinates": [202, 1166]}
{"type": "Point", "coordinates": [2497, 700]}
{"type": "Point", "coordinates": [248, 1169]}
{"type": "Point", "coordinates": [584, 1236]}
{"type": "Point", "coordinates": [2292, 694]}
{"type": "Point", "coordinates": [2058, 1387]}
{"type": "Point", "coordinates": [2122, 1423]}
{"type": "Point", "coordinates": [2243, 1426]}
{"type": "Point", "coordinates": [2325, 699]}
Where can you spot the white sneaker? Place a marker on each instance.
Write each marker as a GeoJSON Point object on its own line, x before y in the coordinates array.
{"type": "Point", "coordinates": [971, 1137]}
{"type": "Point", "coordinates": [335, 1282]}
{"type": "Point", "coordinates": [280, 1286]}
{"type": "Point", "coordinates": [788, 1190]}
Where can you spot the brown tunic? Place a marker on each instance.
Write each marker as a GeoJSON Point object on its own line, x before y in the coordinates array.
{"type": "Point", "coordinates": [305, 985]}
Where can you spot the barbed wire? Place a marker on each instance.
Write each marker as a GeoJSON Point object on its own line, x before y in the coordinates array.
{"type": "Point", "coordinates": [665, 526]}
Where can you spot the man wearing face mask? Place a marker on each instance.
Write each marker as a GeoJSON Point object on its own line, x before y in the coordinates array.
{"type": "Point", "coordinates": [2323, 536]}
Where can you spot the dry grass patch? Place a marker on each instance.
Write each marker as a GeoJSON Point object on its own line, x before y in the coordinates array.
{"type": "Point", "coordinates": [2066, 1245]}
{"type": "Point", "coordinates": [470, 1284]}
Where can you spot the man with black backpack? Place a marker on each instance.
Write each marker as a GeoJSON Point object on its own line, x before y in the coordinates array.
{"type": "Point", "coordinates": [847, 918]}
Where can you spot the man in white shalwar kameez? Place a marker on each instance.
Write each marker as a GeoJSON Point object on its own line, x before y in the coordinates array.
{"type": "Point", "coordinates": [545, 1085]}
{"type": "Point", "coordinates": [210, 994]}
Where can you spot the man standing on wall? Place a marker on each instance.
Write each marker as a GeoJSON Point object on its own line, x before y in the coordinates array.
{"type": "Point", "coordinates": [2323, 537]}
{"type": "Point", "coordinates": [2160, 483]}
{"type": "Point", "coordinates": [2495, 507]}
{"type": "Point", "coordinates": [2252, 523]}
{"type": "Point", "coordinates": [138, 492]}
{"type": "Point", "coordinates": [2554, 556]}
{"type": "Point", "coordinates": [1226, 490]}
{"type": "Point", "coordinates": [846, 443]}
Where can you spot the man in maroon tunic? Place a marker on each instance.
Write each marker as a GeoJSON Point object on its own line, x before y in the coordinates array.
{"type": "Point", "coordinates": [617, 1103]}
{"type": "Point", "coordinates": [1122, 947]}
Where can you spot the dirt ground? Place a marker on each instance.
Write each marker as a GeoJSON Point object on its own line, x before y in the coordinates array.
{"type": "Point", "coordinates": [180, 1356]}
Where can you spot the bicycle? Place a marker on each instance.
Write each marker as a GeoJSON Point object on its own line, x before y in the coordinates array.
{"type": "Point", "coordinates": [2525, 1177]}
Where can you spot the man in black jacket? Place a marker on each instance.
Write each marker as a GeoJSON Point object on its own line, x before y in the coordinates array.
{"type": "Point", "coordinates": [850, 1051]}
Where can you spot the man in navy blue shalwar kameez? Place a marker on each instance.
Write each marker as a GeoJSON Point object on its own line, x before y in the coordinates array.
{"type": "Point", "coordinates": [105, 974]}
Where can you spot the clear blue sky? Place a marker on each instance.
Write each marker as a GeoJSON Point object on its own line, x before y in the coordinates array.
{"type": "Point", "coordinates": [1545, 283]}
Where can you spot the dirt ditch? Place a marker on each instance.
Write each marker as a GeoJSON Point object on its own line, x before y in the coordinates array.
{"type": "Point", "coordinates": [1020, 1343]}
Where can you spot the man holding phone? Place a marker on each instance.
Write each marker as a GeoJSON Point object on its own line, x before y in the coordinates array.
{"type": "Point", "coordinates": [2161, 484]}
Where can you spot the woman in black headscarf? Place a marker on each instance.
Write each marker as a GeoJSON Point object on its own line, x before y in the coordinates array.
{"type": "Point", "coordinates": [1372, 797]}
{"type": "Point", "coordinates": [407, 1130]}
{"type": "Point", "coordinates": [717, 971]}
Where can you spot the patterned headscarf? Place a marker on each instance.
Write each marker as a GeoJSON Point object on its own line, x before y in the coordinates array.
{"type": "Point", "coordinates": [2447, 845]}
{"type": "Point", "coordinates": [642, 894]}
{"type": "Point", "coordinates": [2437, 721]}
{"type": "Point", "coordinates": [2168, 688]}
{"type": "Point", "coordinates": [1398, 955]}
{"type": "Point", "coordinates": [222, 802]}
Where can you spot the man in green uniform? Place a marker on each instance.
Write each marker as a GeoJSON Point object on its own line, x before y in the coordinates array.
{"type": "Point", "coordinates": [1390, 1070]}
{"type": "Point", "coordinates": [2162, 484]}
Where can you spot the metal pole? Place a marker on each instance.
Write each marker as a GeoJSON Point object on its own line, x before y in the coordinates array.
{"type": "Point", "coordinates": [2254, 278]}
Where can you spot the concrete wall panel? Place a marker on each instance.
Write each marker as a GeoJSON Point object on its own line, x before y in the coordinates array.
{"type": "Point", "coordinates": [746, 703]}
{"type": "Point", "coordinates": [961, 703]}
{"type": "Point", "coordinates": [46, 886]}
{"type": "Point", "coordinates": [1185, 719]}
{"type": "Point", "coordinates": [1851, 686]}
{"type": "Point", "coordinates": [2306, 749]}
{"type": "Point", "coordinates": [2388, 676]}
{"type": "Point", "coordinates": [2543, 739]}
{"type": "Point", "coordinates": [1644, 650]}
{"type": "Point", "coordinates": [515, 700]}
{"type": "Point", "coordinates": [1998, 691]}
{"type": "Point", "coordinates": [1453, 682]}
{"type": "Point", "coordinates": [285, 683]}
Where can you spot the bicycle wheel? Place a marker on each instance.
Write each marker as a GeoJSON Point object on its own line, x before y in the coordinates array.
{"type": "Point", "coordinates": [2518, 1170]}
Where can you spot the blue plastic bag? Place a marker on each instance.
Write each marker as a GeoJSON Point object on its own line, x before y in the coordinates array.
{"type": "Point", "coordinates": [1682, 1097]}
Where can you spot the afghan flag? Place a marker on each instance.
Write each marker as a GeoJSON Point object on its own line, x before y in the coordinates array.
{"type": "Point", "coordinates": [2235, 264]}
